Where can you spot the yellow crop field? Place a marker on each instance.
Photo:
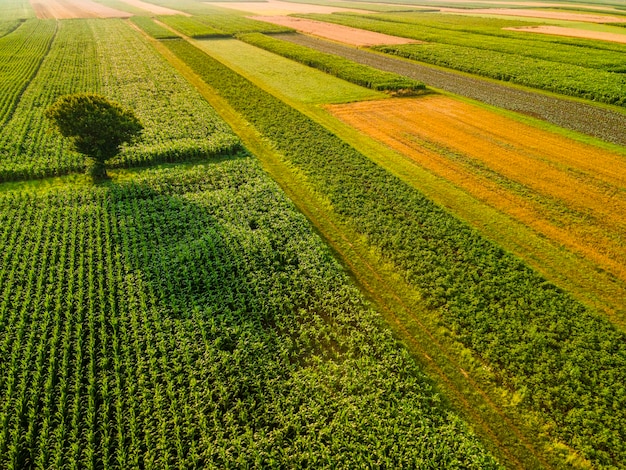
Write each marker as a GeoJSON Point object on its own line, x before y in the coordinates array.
{"type": "Point", "coordinates": [570, 192]}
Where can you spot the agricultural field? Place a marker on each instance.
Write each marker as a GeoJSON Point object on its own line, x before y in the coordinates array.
{"type": "Point", "coordinates": [306, 261]}
{"type": "Point", "coordinates": [483, 296]}
{"type": "Point", "coordinates": [575, 67]}
{"type": "Point", "coordinates": [92, 58]}
{"type": "Point", "coordinates": [191, 317]}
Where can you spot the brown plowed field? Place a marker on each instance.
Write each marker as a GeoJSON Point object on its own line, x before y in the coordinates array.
{"type": "Point", "coordinates": [278, 7]}
{"type": "Point", "coordinates": [67, 9]}
{"type": "Point", "coordinates": [152, 8]}
{"type": "Point", "coordinates": [572, 33]}
{"type": "Point", "coordinates": [570, 192]}
{"type": "Point", "coordinates": [335, 32]}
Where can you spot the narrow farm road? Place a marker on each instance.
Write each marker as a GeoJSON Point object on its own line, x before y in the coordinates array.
{"type": "Point", "coordinates": [602, 123]}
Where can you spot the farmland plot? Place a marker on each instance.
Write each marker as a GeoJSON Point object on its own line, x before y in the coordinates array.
{"type": "Point", "coordinates": [575, 67]}
{"type": "Point", "coordinates": [108, 56]}
{"type": "Point", "coordinates": [66, 9]}
{"type": "Point", "coordinates": [569, 192]}
{"type": "Point", "coordinates": [16, 10]}
{"type": "Point", "coordinates": [304, 85]}
{"type": "Point", "coordinates": [21, 53]}
{"type": "Point", "coordinates": [537, 341]}
{"type": "Point", "coordinates": [192, 318]}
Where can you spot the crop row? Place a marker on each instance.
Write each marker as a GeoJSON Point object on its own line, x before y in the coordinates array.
{"type": "Point", "coordinates": [504, 58]}
{"type": "Point", "coordinates": [219, 24]}
{"type": "Point", "coordinates": [26, 148]}
{"type": "Point", "coordinates": [190, 26]}
{"type": "Point", "coordinates": [488, 34]}
{"type": "Point", "coordinates": [192, 319]}
{"type": "Point", "coordinates": [110, 57]}
{"type": "Point", "coordinates": [153, 29]}
{"type": "Point", "coordinates": [21, 53]}
{"type": "Point", "coordinates": [563, 361]}
{"type": "Point", "coordinates": [338, 66]}
{"type": "Point", "coordinates": [8, 26]}
{"type": "Point", "coordinates": [595, 85]}
{"type": "Point", "coordinates": [178, 123]}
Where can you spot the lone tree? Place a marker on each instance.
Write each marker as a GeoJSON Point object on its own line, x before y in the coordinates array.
{"type": "Point", "coordinates": [95, 126]}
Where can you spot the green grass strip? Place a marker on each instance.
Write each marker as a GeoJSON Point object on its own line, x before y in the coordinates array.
{"type": "Point", "coordinates": [345, 69]}
{"type": "Point", "coordinates": [153, 29]}
{"type": "Point", "coordinates": [563, 362]}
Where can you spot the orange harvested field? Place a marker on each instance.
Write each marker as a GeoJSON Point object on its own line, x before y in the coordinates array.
{"type": "Point", "coordinates": [277, 7]}
{"type": "Point", "coordinates": [573, 33]}
{"type": "Point", "coordinates": [335, 32]}
{"type": "Point", "coordinates": [572, 193]}
{"type": "Point", "coordinates": [67, 9]}
{"type": "Point", "coordinates": [155, 9]}
{"type": "Point", "coordinates": [548, 15]}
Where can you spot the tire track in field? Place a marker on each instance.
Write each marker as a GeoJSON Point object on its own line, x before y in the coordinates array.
{"type": "Point", "coordinates": [602, 123]}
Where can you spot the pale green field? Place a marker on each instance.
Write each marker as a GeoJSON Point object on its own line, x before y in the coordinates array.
{"type": "Point", "coordinates": [305, 85]}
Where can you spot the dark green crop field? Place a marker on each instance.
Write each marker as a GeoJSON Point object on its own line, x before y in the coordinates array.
{"type": "Point", "coordinates": [244, 288]}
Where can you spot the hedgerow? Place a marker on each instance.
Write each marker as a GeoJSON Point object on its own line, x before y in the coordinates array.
{"type": "Point", "coordinates": [338, 66]}
{"type": "Point", "coordinates": [563, 361]}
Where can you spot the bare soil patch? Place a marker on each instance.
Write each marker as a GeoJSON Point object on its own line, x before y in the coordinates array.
{"type": "Point", "coordinates": [279, 8]}
{"type": "Point", "coordinates": [155, 9]}
{"type": "Point", "coordinates": [67, 9]}
{"type": "Point", "coordinates": [334, 32]}
{"type": "Point", "coordinates": [548, 15]}
{"type": "Point", "coordinates": [572, 33]}
{"type": "Point", "coordinates": [572, 193]}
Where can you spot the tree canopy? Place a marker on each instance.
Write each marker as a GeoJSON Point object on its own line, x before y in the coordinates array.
{"type": "Point", "coordinates": [95, 126]}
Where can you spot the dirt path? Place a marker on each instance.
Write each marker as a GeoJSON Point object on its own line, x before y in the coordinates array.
{"type": "Point", "coordinates": [604, 124]}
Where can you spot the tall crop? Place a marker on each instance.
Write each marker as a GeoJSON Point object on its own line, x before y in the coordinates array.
{"type": "Point", "coordinates": [334, 65]}
{"type": "Point", "coordinates": [564, 362]}
{"type": "Point", "coordinates": [111, 58]}
{"type": "Point", "coordinates": [21, 53]}
{"type": "Point", "coordinates": [192, 319]}
{"type": "Point", "coordinates": [581, 68]}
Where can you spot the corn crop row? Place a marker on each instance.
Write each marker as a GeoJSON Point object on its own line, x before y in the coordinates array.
{"type": "Point", "coordinates": [192, 319]}
{"type": "Point", "coordinates": [111, 58]}
{"type": "Point", "coordinates": [564, 362]}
